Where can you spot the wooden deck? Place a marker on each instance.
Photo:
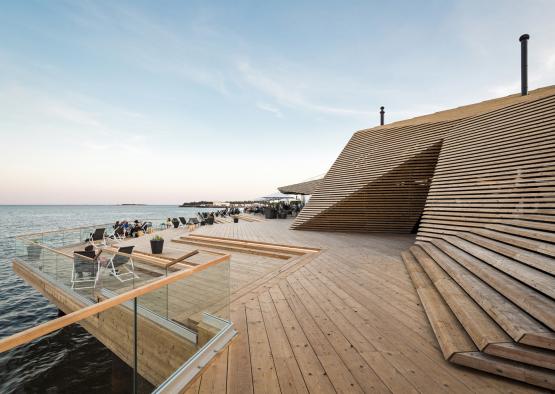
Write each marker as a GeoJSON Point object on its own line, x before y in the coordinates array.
{"type": "Point", "coordinates": [345, 319]}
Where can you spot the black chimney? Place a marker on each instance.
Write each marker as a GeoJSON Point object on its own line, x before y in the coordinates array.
{"type": "Point", "coordinates": [382, 113]}
{"type": "Point", "coordinates": [524, 63]}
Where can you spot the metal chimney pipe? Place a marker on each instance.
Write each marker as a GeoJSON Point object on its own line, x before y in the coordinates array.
{"type": "Point", "coordinates": [382, 113]}
{"type": "Point", "coordinates": [524, 63]}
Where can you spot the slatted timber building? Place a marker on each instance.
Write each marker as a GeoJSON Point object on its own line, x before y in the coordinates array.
{"type": "Point", "coordinates": [477, 186]}
{"type": "Point", "coordinates": [303, 188]}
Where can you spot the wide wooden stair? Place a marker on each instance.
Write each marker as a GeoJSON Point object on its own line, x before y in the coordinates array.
{"type": "Point", "coordinates": [277, 251]}
{"type": "Point", "coordinates": [489, 294]}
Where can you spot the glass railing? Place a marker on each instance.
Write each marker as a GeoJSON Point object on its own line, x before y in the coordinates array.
{"type": "Point", "coordinates": [87, 272]}
{"type": "Point", "coordinates": [159, 319]}
{"type": "Point", "coordinates": [76, 236]}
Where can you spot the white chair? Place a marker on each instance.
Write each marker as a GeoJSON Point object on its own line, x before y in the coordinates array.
{"type": "Point", "coordinates": [118, 263]}
{"type": "Point", "coordinates": [118, 234]}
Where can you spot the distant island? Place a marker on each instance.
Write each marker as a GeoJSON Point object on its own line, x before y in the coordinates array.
{"type": "Point", "coordinates": [214, 204]}
{"type": "Point", "coordinates": [204, 204]}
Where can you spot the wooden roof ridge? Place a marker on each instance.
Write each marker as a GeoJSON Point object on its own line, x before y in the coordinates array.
{"type": "Point", "coordinates": [469, 110]}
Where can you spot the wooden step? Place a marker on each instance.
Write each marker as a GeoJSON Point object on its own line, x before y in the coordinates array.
{"type": "Point", "coordinates": [543, 236]}
{"type": "Point", "coordinates": [249, 218]}
{"type": "Point", "coordinates": [525, 297]}
{"type": "Point", "coordinates": [288, 246]}
{"type": "Point", "coordinates": [457, 346]}
{"type": "Point", "coordinates": [215, 245]}
{"type": "Point", "coordinates": [541, 339]}
{"type": "Point", "coordinates": [512, 319]}
{"type": "Point", "coordinates": [510, 369]}
{"type": "Point", "coordinates": [526, 354]}
{"type": "Point", "coordinates": [539, 280]}
{"type": "Point", "coordinates": [478, 324]}
{"type": "Point", "coordinates": [254, 245]}
{"type": "Point", "coordinates": [450, 334]}
{"type": "Point", "coordinates": [533, 245]}
{"type": "Point", "coordinates": [536, 260]}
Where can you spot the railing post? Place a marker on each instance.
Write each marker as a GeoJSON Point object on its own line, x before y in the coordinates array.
{"type": "Point", "coordinates": [135, 345]}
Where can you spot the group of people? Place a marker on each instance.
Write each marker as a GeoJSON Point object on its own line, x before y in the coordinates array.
{"type": "Point", "coordinates": [280, 207]}
{"type": "Point", "coordinates": [292, 209]}
{"type": "Point", "coordinates": [125, 229]}
{"type": "Point", "coordinates": [223, 213]}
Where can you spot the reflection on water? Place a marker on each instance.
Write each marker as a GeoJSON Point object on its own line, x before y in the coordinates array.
{"type": "Point", "coordinates": [68, 360]}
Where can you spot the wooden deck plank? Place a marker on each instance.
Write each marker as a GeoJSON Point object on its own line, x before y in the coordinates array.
{"type": "Point", "coordinates": [264, 375]}
{"type": "Point", "coordinates": [340, 376]}
{"type": "Point", "coordinates": [288, 372]}
{"type": "Point", "coordinates": [314, 374]}
{"type": "Point", "coordinates": [239, 370]}
{"type": "Point", "coordinates": [368, 380]}
{"type": "Point", "coordinates": [214, 380]}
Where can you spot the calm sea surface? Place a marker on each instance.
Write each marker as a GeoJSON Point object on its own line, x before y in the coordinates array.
{"type": "Point", "coordinates": [68, 360]}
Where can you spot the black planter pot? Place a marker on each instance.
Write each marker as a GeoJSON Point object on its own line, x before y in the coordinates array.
{"type": "Point", "coordinates": [156, 246]}
{"type": "Point", "coordinates": [270, 213]}
{"type": "Point", "coordinates": [235, 220]}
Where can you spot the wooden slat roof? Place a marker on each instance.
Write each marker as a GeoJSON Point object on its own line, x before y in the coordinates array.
{"type": "Point", "coordinates": [304, 188]}
{"type": "Point", "coordinates": [377, 158]}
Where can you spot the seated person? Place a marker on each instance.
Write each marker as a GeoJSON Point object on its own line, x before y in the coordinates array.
{"type": "Point", "coordinates": [135, 229]}
{"type": "Point", "coordinates": [126, 227]}
{"type": "Point", "coordinates": [120, 231]}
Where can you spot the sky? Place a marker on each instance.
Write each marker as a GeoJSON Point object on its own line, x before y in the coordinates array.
{"type": "Point", "coordinates": [161, 102]}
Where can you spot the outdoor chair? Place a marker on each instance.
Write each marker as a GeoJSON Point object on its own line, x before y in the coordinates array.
{"type": "Point", "coordinates": [145, 226]}
{"type": "Point", "coordinates": [118, 234]}
{"type": "Point", "coordinates": [175, 222]}
{"type": "Point", "coordinates": [98, 237]}
{"type": "Point", "coordinates": [182, 220]}
{"type": "Point", "coordinates": [118, 262]}
{"type": "Point", "coordinates": [86, 268]}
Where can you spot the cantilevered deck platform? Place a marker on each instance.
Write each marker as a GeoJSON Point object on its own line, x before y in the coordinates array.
{"type": "Point", "coordinates": [344, 319]}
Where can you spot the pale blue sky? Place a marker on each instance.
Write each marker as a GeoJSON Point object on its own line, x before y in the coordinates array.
{"type": "Point", "coordinates": [163, 102]}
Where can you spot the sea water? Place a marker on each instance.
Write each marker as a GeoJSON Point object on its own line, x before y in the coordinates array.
{"type": "Point", "coordinates": [68, 360]}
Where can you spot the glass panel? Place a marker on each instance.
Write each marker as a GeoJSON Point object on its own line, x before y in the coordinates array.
{"type": "Point", "coordinates": [177, 321]}
{"type": "Point", "coordinates": [91, 275]}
